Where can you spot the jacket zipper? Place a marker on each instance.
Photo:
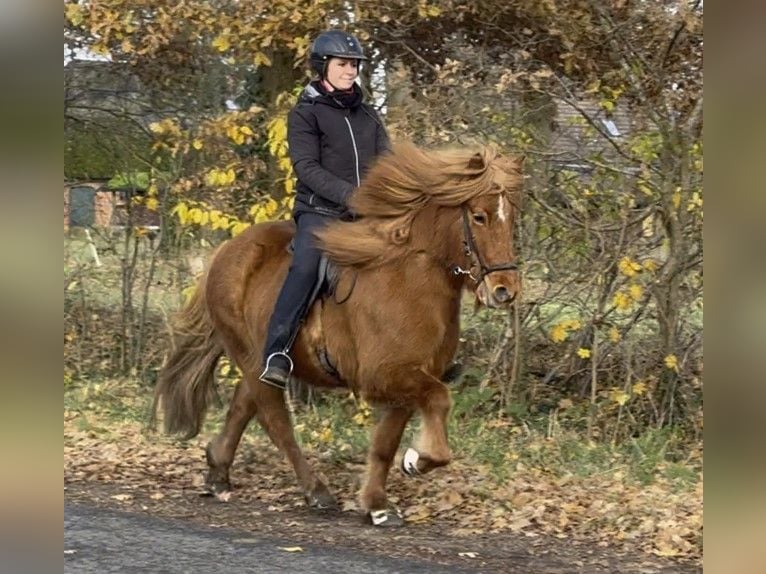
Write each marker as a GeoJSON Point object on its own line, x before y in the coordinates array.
{"type": "Point", "coordinates": [356, 153]}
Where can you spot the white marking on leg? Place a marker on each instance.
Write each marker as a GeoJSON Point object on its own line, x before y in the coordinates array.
{"type": "Point", "coordinates": [410, 461]}
{"type": "Point", "coordinates": [501, 208]}
{"type": "Point", "coordinates": [379, 516]}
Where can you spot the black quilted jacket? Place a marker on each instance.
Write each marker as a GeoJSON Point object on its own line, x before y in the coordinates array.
{"type": "Point", "coordinates": [333, 138]}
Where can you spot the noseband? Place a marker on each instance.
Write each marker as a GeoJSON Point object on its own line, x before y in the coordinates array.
{"type": "Point", "coordinates": [473, 253]}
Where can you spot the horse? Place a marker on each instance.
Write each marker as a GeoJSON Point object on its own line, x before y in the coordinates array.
{"type": "Point", "coordinates": [429, 226]}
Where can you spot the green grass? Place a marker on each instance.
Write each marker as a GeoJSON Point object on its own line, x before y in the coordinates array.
{"type": "Point", "coordinates": [339, 429]}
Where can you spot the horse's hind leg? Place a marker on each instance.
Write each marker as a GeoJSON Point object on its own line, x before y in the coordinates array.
{"type": "Point", "coordinates": [385, 441]}
{"type": "Point", "coordinates": [220, 451]}
{"type": "Point", "coordinates": [275, 419]}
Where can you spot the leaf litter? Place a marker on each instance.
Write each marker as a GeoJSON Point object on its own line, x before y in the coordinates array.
{"type": "Point", "coordinates": [605, 509]}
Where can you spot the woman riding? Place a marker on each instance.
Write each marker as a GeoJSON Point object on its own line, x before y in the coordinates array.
{"type": "Point", "coordinates": [333, 138]}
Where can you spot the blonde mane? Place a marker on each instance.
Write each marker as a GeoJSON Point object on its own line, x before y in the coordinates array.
{"type": "Point", "coordinates": [400, 184]}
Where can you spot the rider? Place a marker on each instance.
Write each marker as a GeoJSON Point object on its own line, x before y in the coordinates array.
{"type": "Point", "coordinates": [333, 138]}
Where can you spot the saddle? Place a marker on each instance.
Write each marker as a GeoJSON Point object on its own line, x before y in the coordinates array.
{"type": "Point", "coordinates": [326, 283]}
{"type": "Point", "coordinates": [325, 286]}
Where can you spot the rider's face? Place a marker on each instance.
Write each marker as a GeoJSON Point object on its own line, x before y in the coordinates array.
{"type": "Point", "coordinates": [341, 72]}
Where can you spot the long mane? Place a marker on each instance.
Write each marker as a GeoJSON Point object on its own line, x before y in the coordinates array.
{"type": "Point", "coordinates": [399, 185]}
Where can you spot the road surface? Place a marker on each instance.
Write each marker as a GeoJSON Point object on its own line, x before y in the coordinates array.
{"type": "Point", "coordinates": [100, 541]}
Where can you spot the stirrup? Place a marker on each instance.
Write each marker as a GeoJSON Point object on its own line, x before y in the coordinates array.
{"type": "Point", "coordinates": [277, 383]}
{"type": "Point", "coordinates": [280, 354]}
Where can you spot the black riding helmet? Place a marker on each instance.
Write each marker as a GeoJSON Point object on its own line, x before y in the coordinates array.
{"type": "Point", "coordinates": [334, 43]}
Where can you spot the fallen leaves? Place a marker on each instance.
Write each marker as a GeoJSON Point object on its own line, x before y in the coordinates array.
{"type": "Point", "coordinates": [601, 509]}
{"type": "Point", "coordinates": [448, 500]}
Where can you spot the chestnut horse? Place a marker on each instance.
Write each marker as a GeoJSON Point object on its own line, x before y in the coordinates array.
{"type": "Point", "coordinates": [431, 224]}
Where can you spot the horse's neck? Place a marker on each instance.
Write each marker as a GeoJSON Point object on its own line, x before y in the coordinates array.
{"type": "Point", "coordinates": [435, 232]}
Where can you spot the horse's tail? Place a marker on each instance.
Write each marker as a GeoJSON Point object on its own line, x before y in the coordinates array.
{"type": "Point", "coordinates": [186, 381]}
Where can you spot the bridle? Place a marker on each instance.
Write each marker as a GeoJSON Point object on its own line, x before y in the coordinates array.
{"type": "Point", "coordinates": [472, 252]}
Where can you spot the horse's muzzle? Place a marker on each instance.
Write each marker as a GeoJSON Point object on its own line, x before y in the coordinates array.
{"type": "Point", "coordinates": [499, 295]}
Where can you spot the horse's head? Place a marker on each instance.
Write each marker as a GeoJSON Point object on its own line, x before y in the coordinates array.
{"type": "Point", "coordinates": [488, 231]}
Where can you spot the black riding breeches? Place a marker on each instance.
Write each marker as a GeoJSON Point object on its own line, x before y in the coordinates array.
{"type": "Point", "coordinates": [301, 278]}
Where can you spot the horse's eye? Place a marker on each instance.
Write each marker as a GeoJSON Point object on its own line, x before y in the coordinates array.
{"type": "Point", "coordinates": [479, 218]}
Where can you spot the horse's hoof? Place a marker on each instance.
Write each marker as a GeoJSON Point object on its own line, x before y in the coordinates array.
{"type": "Point", "coordinates": [220, 489]}
{"type": "Point", "coordinates": [387, 518]}
{"type": "Point", "coordinates": [410, 462]}
{"type": "Point", "coordinates": [322, 500]}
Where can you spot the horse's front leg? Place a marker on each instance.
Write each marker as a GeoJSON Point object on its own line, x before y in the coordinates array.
{"type": "Point", "coordinates": [431, 448]}
{"type": "Point", "coordinates": [386, 437]}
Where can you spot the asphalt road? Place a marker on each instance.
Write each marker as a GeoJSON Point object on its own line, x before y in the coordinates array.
{"type": "Point", "coordinates": [100, 541]}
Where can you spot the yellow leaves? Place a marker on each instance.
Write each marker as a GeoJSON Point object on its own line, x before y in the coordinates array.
{"type": "Point", "coordinates": [326, 435]}
{"type": "Point", "coordinates": [645, 189]}
{"type": "Point", "coordinates": [100, 49]}
{"type": "Point", "coordinates": [239, 134]}
{"type": "Point", "coordinates": [671, 362]}
{"type": "Point", "coordinates": [426, 11]}
{"type": "Point", "coordinates": [363, 414]}
{"type": "Point", "coordinates": [619, 396]}
{"type": "Point", "coordinates": [198, 216]}
{"type": "Point", "coordinates": [614, 335]}
{"type": "Point", "coordinates": [558, 334]}
{"type": "Point", "coordinates": [261, 59]}
{"type": "Point", "coordinates": [628, 267]}
{"type": "Point", "coordinates": [220, 178]}
{"type": "Point", "coordinates": [218, 220]}
{"type": "Point", "coordinates": [168, 126]}
{"type": "Point", "coordinates": [127, 46]}
{"type": "Point", "coordinates": [152, 203]}
{"type": "Point", "coordinates": [238, 228]}
{"type": "Point", "coordinates": [560, 331]}
{"type": "Point", "coordinates": [222, 42]}
{"type": "Point", "coordinates": [288, 203]}
{"type": "Point", "coordinates": [583, 353]}
{"type": "Point", "coordinates": [181, 210]}
{"type": "Point", "coordinates": [299, 44]}
{"type": "Point", "coordinates": [695, 202]}
{"type": "Point", "coordinates": [635, 291]}
{"type": "Point", "coordinates": [625, 299]}
{"type": "Point", "coordinates": [277, 139]}
{"type": "Point", "coordinates": [264, 211]}
{"type": "Point", "coordinates": [277, 135]}
{"type": "Point", "coordinates": [676, 199]}
{"type": "Point", "coordinates": [607, 105]}
{"type": "Point", "coordinates": [622, 301]}
{"type": "Point", "coordinates": [197, 144]}
{"type": "Point", "coordinates": [74, 13]}
{"type": "Point", "coordinates": [639, 389]}
{"type": "Point", "coordinates": [203, 215]}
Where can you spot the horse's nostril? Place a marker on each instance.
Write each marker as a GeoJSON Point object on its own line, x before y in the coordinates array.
{"type": "Point", "coordinates": [501, 294]}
